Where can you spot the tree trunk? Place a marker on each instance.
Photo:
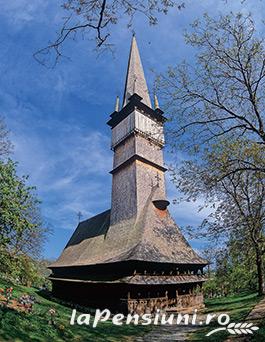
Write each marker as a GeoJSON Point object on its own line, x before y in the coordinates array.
{"type": "Point", "coordinates": [260, 271]}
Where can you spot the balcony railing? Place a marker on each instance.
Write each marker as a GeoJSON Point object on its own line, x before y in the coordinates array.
{"type": "Point", "coordinates": [151, 305]}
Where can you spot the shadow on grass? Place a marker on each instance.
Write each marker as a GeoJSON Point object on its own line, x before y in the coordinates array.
{"type": "Point", "coordinates": [232, 302]}
{"type": "Point", "coordinates": [237, 307]}
{"type": "Point", "coordinates": [35, 327]}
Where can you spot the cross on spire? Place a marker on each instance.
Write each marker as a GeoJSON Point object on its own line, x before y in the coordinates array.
{"type": "Point", "coordinates": [79, 216]}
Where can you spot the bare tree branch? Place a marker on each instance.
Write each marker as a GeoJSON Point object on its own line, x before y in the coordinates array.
{"type": "Point", "coordinates": [96, 17]}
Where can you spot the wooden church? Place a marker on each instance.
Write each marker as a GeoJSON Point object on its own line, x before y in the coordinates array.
{"type": "Point", "coordinates": [132, 258]}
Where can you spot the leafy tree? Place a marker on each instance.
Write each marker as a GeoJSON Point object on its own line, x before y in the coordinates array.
{"type": "Point", "coordinates": [237, 202]}
{"type": "Point", "coordinates": [5, 145]}
{"type": "Point", "coordinates": [30, 272]}
{"type": "Point", "coordinates": [231, 265]}
{"type": "Point", "coordinates": [22, 232]}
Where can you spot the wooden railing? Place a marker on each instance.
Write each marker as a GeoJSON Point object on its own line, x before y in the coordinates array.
{"type": "Point", "coordinates": [151, 305]}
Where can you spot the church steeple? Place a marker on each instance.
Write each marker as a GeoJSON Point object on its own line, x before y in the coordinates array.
{"type": "Point", "coordinates": [135, 79]}
{"type": "Point", "coordinates": [135, 246]}
{"type": "Point", "coordinates": [137, 143]}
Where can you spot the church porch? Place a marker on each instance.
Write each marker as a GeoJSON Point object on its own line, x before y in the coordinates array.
{"type": "Point", "coordinates": [175, 297]}
{"type": "Point", "coordinates": [130, 298]}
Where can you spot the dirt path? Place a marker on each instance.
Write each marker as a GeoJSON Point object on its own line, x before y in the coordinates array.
{"type": "Point", "coordinates": [170, 333]}
{"type": "Point", "coordinates": [167, 333]}
{"type": "Point", "coordinates": [255, 316]}
{"type": "Point", "coordinates": [258, 312]}
{"type": "Point", "coordinates": [173, 333]}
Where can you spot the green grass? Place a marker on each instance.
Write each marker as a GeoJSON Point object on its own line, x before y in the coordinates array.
{"type": "Point", "coordinates": [260, 334]}
{"type": "Point", "coordinates": [237, 307]}
{"type": "Point", "coordinates": [32, 327]}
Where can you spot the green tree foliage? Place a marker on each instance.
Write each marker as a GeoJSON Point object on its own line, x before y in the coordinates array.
{"type": "Point", "coordinates": [233, 272]}
{"type": "Point", "coordinates": [17, 203]}
{"type": "Point", "coordinates": [22, 232]}
{"type": "Point", "coordinates": [5, 145]}
{"type": "Point", "coordinates": [237, 202]}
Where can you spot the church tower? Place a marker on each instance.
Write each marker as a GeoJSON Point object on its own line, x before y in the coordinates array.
{"type": "Point", "coordinates": [137, 142]}
{"type": "Point", "coordinates": [133, 257]}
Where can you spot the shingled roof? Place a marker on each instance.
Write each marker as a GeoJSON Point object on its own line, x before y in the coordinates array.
{"type": "Point", "coordinates": [142, 280]}
{"type": "Point", "coordinates": [151, 236]}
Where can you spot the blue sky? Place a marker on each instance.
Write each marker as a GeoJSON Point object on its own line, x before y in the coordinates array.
{"type": "Point", "coordinates": [57, 117]}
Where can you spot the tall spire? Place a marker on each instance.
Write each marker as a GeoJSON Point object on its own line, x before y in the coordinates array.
{"type": "Point", "coordinates": [135, 80]}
